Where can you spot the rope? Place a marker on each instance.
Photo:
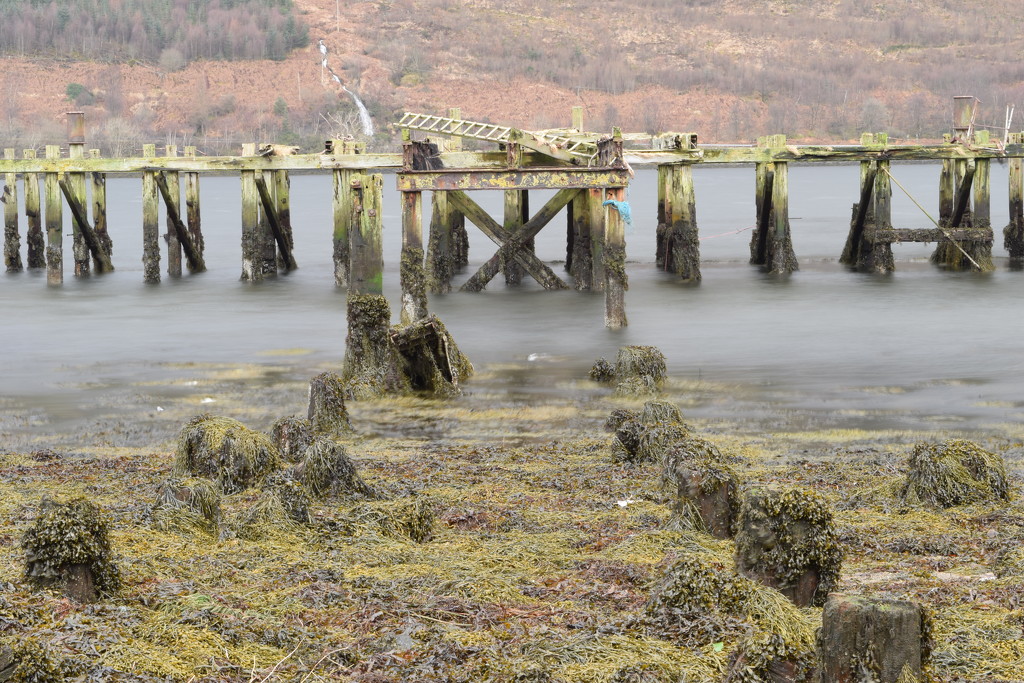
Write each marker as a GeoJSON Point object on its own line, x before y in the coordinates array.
{"type": "Point", "coordinates": [724, 234]}
{"type": "Point", "coordinates": [944, 232]}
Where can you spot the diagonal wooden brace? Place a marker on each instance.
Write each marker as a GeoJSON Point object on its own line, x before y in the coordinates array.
{"type": "Point", "coordinates": [103, 264]}
{"type": "Point", "coordinates": [512, 245]}
{"type": "Point", "coordinates": [196, 264]}
{"type": "Point", "coordinates": [275, 224]}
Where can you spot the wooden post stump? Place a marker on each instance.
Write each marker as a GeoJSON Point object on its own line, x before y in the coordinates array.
{"type": "Point", "coordinates": [411, 272]}
{"type": "Point", "coordinates": [252, 236]}
{"type": "Point", "coordinates": [150, 222]}
{"type": "Point", "coordinates": [705, 495]}
{"type": "Point", "coordinates": [12, 236]}
{"type": "Point", "coordinates": [327, 413]}
{"type": "Point", "coordinates": [786, 539]}
{"type": "Point", "coordinates": [99, 211]}
{"type": "Point", "coordinates": [872, 639]}
{"type": "Point", "coordinates": [1013, 233]}
{"type": "Point", "coordinates": [54, 223]}
{"type": "Point", "coordinates": [33, 218]}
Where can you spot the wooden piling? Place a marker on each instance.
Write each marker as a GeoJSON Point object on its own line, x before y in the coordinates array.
{"type": "Point", "coordinates": [972, 253]}
{"type": "Point", "coordinates": [282, 193]}
{"type": "Point", "coordinates": [664, 180]}
{"type": "Point", "coordinates": [872, 216]}
{"type": "Point", "coordinates": [458, 237]}
{"type": "Point", "coordinates": [267, 234]}
{"type": "Point", "coordinates": [615, 282]}
{"type": "Point", "coordinates": [947, 188]}
{"type": "Point", "coordinates": [80, 215]}
{"type": "Point", "coordinates": [268, 204]}
{"type": "Point", "coordinates": [196, 264]}
{"type": "Point", "coordinates": [680, 247]}
{"type": "Point", "coordinates": [193, 214]}
{"type": "Point", "coordinates": [12, 236]}
{"type": "Point", "coordinates": [1013, 233]}
{"type": "Point", "coordinates": [252, 243]}
{"type": "Point", "coordinates": [517, 212]}
{"type": "Point", "coordinates": [411, 273]}
{"type": "Point", "coordinates": [173, 203]}
{"type": "Point", "coordinates": [595, 215]}
{"type": "Point", "coordinates": [99, 211]}
{"type": "Point", "coordinates": [579, 259]}
{"type": "Point", "coordinates": [367, 255]}
{"type": "Point", "coordinates": [33, 217]}
{"type": "Point", "coordinates": [54, 223]}
{"type": "Point", "coordinates": [342, 203]}
{"type": "Point", "coordinates": [76, 183]}
{"type": "Point", "coordinates": [781, 258]}
{"type": "Point", "coordinates": [764, 178]}
{"type": "Point", "coordinates": [150, 222]}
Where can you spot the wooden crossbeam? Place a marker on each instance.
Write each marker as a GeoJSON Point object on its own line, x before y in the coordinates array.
{"type": "Point", "coordinates": [270, 211]}
{"type": "Point", "coordinates": [497, 234]}
{"type": "Point", "coordinates": [196, 263]}
{"type": "Point", "coordinates": [103, 264]}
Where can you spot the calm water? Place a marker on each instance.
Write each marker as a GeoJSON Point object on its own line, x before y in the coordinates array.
{"type": "Point", "coordinates": [921, 341]}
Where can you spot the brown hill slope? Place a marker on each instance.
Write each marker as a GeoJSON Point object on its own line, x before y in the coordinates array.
{"type": "Point", "coordinates": [729, 70]}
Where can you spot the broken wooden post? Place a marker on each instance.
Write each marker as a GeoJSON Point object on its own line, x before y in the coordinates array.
{"type": "Point", "coordinates": [79, 213]}
{"type": "Point", "coordinates": [12, 237]}
{"type": "Point", "coordinates": [195, 229]}
{"type": "Point", "coordinates": [615, 282]}
{"type": "Point", "coordinates": [327, 413]}
{"type": "Point", "coordinates": [680, 240]}
{"type": "Point", "coordinates": [371, 366]}
{"type": "Point", "coordinates": [268, 203]}
{"type": "Point", "coordinates": [947, 188]}
{"type": "Point", "coordinates": [196, 264]}
{"type": "Point", "coordinates": [99, 210]}
{"type": "Point", "coordinates": [150, 222]}
{"type": "Point", "coordinates": [54, 223]}
{"type": "Point", "coordinates": [282, 192]}
{"type": "Point", "coordinates": [875, 639]}
{"type": "Point", "coordinates": [411, 273]}
{"type": "Point", "coordinates": [33, 217]}
{"type": "Point", "coordinates": [172, 200]}
{"type": "Point", "coordinates": [252, 242]}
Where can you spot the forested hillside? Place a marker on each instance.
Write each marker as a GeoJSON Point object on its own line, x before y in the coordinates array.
{"type": "Point", "coordinates": [730, 70]}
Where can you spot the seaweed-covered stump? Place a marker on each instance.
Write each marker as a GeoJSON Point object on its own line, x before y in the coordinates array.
{"type": "Point", "coordinates": [787, 540]}
{"type": "Point", "coordinates": [408, 518]}
{"type": "Point", "coordinates": [23, 660]}
{"type": "Point", "coordinates": [956, 472]}
{"type": "Point", "coordinates": [327, 413]}
{"type": "Point", "coordinates": [647, 436]}
{"type": "Point", "coordinates": [292, 436]}
{"type": "Point", "coordinates": [431, 361]}
{"type": "Point", "coordinates": [704, 495]}
{"type": "Point", "coordinates": [639, 370]}
{"type": "Point", "coordinates": [885, 641]}
{"type": "Point", "coordinates": [225, 450]}
{"type": "Point", "coordinates": [187, 505]}
{"type": "Point", "coordinates": [372, 365]}
{"type": "Point", "coordinates": [69, 546]}
{"type": "Point", "coordinates": [326, 470]}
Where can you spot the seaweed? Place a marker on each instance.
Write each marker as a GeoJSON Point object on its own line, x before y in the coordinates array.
{"type": "Point", "coordinates": [648, 435]}
{"type": "Point", "coordinates": [225, 450]}
{"type": "Point", "coordinates": [187, 505]}
{"type": "Point", "coordinates": [956, 472]}
{"type": "Point", "coordinates": [326, 470]}
{"type": "Point", "coordinates": [292, 435]}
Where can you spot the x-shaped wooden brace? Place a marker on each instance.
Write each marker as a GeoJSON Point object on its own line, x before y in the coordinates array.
{"type": "Point", "coordinates": [510, 245]}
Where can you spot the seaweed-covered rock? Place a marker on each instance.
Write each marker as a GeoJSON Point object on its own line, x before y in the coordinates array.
{"type": "Point", "coordinates": [225, 450]}
{"type": "Point", "coordinates": [187, 505]}
{"type": "Point", "coordinates": [603, 371]}
{"type": "Point", "coordinates": [327, 470]}
{"type": "Point", "coordinates": [861, 638]}
{"type": "Point", "coordinates": [647, 435]}
{"type": "Point", "coordinates": [69, 546]}
{"type": "Point", "coordinates": [407, 518]}
{"type": "Point", "coordinates": [292, 436]}
{"type": "Point", "coordinates": [698, 600]}
{"type": "Point", "coordinates": [327, 413]}
{"type": "Point", "coordinates": [704, 494]}
{"type": "Point", "coordinates": [787, 540]}
{"type": "Point", "coordinates": [639, 370]}
{"type": "Point", "coordinates": [24, 660]}
{"type": "Point", "coordinates": [956, 472]}
{"type": "Point", "coordinates": [619, 417]}
{"type": "Point", "coordinates": [372, 366]}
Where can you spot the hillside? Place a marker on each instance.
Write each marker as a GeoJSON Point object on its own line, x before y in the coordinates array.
{"type": "Point", "coordinates": [730, 70]}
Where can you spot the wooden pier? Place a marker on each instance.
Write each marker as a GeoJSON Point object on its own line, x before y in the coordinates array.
{"type": "Point", "coordinates": [589, 172]}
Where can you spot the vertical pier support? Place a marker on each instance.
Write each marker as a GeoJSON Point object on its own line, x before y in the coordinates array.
{"type": "Point", "coordinates": [342, 204]}
{"type": "Point", "coordinates": [192, 209]}
{"type": "Point", "coordinates": [267, 239]}
{"type": "Point", "coordinates": [173, 244]}
{"type": "Point", "coordinates": [252, 239]}
{"type": "Point", "coordinates": [99, 211]}
{"type": "Point", "coordinates": [282, 193]}
{"type": "Point", "coordinates": [411, 273]}
{"type": "Point", "coordinates": [1013, 233]}
{"type": "Point", "coordinates": [33, 217]}
{"type": "Point", "coordinates": [771, 245]}
{"type": "Point", "coordinates": [615, 282]}
{"type": "Point", "coordinates": [580, 259]}
{"type": "Point", "coordinates": [76, 183]}
{"type": "Point", "coordinates": [678, 241]}
{"type": "Point", "coordinates": [54, 223]}
{"type": "Point", "coordinates": [150, 222]}
{"type": "Point", "coordinates": [864, 250]}
{"type": "Point", "coordinates": [517, 212]}
{"type": "Point", "coordinates": [441, 264]}
{"type": "Point", "coordinates": [458, 236]}
{"type": "Point", "coordinates": [960, 180]}
{"type": "Point", "coordinates": [12, 236]}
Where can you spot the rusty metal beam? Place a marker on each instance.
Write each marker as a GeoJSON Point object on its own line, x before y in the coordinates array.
{"type": "Point", "coordinates": [532, 179]}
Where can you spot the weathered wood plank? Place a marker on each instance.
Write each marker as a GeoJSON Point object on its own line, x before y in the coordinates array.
{"type": "Point", "coordinates": [934, 235]}
{"type": "Point", "coordinates": [615, 282]}
{"type": "Point", "coordinates": [506, 180]}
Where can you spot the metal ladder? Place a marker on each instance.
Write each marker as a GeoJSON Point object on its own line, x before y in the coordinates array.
{"type": "Point", "coordinates": [552, 144]}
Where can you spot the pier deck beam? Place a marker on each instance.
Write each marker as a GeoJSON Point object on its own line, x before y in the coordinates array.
{"type": "Point", "coordinates": [12, 236]}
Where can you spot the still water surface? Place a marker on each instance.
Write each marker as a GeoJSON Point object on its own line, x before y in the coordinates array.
{"type": "Point", "coordinates": [921, 341]}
